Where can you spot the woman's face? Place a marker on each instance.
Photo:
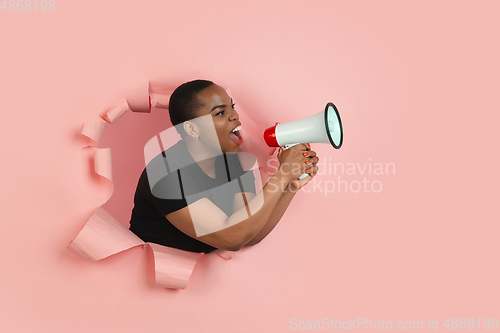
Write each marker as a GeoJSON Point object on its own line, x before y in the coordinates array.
{"type": "Point", "coordinates": [217, 103]}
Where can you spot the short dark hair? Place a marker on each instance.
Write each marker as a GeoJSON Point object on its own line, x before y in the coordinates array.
{"type": "Point", "coordinates": [183, 103]}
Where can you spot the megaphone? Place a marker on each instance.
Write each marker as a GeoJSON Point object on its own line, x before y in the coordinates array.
{"type": "Point", "coordinates": [323, 127]}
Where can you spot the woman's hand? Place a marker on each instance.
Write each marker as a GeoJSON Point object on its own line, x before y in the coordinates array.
{"type": "Point", "coordinates": [296, 161]}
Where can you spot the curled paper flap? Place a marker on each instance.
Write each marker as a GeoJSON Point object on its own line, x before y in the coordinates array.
{"type": "Point", "coordinates": [139, 100]}
{"type": "Point", "coordinates": [225, 254]}
{"type": "Point", "coordinates": [93, 131]}
{"type": "Point", "coordinates": [102, 237]}
{"type": "Point", "coordinates": [159, 101]}
{"type": "Point", "coordinates": [116, 111]}
{"type": "Point", "coordinates": [102, 163]}
{"type": "Point", "coordinates": [173, 267]}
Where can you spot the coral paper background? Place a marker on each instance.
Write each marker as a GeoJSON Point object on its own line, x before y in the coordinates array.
{"type": "Point", "coordinates": [416, 84]}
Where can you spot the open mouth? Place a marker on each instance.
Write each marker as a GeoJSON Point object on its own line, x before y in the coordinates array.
{"type": "Point", "coordinates": [235, 135]}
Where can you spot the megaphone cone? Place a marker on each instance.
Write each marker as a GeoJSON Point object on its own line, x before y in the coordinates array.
{"type": "Point", "coordinates": [325, 127]}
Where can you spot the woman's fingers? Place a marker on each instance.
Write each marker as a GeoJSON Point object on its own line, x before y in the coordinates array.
{"type": "Point", "coordinates": [309, 153]}
{"type": "Point", "coordinates": [313, 160]}
{"type": "Point", "coordinates": [312, 170]}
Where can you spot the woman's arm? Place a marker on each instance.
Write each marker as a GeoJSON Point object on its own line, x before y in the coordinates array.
{"type": "Point", "coordinates": [274, 218]}
{"type": "Point", "coordinates": [239, 228]}
{"type": "Point", "coordinates": [235, 230]}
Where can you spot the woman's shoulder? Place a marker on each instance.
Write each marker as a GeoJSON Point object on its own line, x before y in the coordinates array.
{"type": "Point", "coordinates": [161, 173]}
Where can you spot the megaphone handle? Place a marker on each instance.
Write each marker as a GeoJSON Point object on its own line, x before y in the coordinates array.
{"type": "Point", "coordinates": [304, 175]}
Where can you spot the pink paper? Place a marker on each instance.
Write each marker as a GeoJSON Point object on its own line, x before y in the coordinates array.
{"type": "Point", "coordinates": [102, 163]}
{"type": "Point", "coordinates": [116, 111]}
{"type": "Point", "coordinates": [93, 131]}
{"type": "Point", "coordinates": [159, 101]}
{"type": "Point", "coordinates": [173, 267]}
{"type": "Point", "coordinates": [225, 254]}
{"type": "Point", "coordinates": [139, 100]}
{"type": "Point", "coordinates": [102, 237]}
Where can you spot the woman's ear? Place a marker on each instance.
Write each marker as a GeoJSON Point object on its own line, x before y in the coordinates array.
{"type": "Point", "coordinates": [191, 129]}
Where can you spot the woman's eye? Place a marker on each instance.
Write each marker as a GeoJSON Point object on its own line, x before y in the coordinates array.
{"type": "Point", "coordinates": [220, 113]}
{"type": "Point", "coordinates": [232, 106]}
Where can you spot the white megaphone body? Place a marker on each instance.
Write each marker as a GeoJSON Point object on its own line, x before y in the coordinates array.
{"type": "Point", "coordinates": [323, 127]}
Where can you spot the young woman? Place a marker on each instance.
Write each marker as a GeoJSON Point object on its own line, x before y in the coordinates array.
{"type": "Point", "coordinates": [241, 216]}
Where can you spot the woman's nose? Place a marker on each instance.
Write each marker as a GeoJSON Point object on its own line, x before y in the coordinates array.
{"type": "Point", "coordinates": [234, 115]}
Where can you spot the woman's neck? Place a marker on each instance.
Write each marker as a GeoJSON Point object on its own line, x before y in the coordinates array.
{"type": "Point", "coordinates": [203, 157]}
{"type": "Point", "coordinates": [208, 166]}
